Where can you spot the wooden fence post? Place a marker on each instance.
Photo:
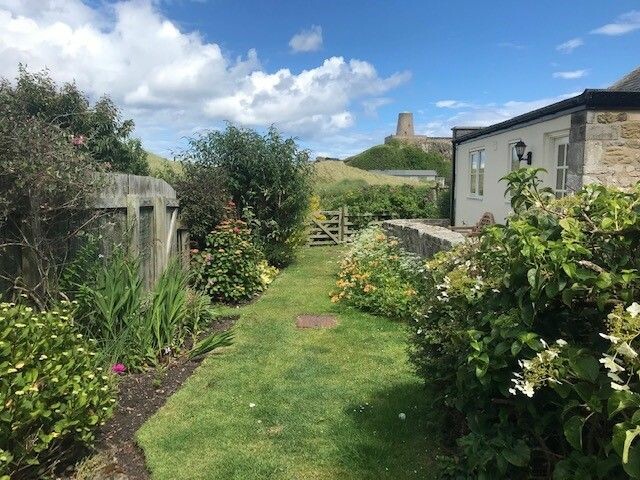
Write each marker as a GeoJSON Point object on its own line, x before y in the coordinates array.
{"type": "Point", "coordinates": [341, 225]}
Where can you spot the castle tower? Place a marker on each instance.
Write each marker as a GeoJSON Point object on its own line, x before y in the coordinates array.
{"type": "Point", "coordinates": [405, 125]}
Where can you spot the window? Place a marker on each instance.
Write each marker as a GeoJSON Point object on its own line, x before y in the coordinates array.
{"type": "Point", "coordinates": [562, 147]}
{"type": "Point", "coordinates": [476, 173]}
{"type": "Point", "coordinates": [514, 162]}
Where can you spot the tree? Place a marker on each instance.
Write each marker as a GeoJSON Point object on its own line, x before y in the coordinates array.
{"type": "Point", "coordinates": [269, 179]}
{"type": "Point", "coordinates": [96, 130]}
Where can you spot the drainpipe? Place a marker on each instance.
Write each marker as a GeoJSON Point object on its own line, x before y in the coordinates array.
{"type": "Point", "coordinates": [452, 206]}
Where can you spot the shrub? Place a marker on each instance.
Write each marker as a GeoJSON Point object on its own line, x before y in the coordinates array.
{"type": "Point", "coordinates": [397, 155]}
{"type": "Point", "coordinates": [531, 335]}
{"type": "Point", "coordinates": [53, 393]}
{"type": "Point", "coordinates": [203, 199]}
{"type": "Point", "coordinates": [403, 201]}
{"type": "Point", "coordinates": [269, 179]}
{"type": "Point", "coordinates": [376, 275]}
{"type": "Point", "coordinates": [231, 268]}
{"type": "Point", "coordinates": [46, 194]}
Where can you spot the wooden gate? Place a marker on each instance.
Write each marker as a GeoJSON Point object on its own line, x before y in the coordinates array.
{"type": "Point", "coordinates": [328, 227]}
{"type": "Point", "coordinates": [335, 227]}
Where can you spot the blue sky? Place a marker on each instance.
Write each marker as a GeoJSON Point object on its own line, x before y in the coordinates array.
{"type": "Point", "coordinates": [332, 73]}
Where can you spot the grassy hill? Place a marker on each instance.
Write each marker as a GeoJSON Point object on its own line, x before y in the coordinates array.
{"type": "Point", "coordinates": [158, 164]}
{"type": "Point", "coordinates": [401, 156]}
{"type": "Point", "coordinates": [330, 172]}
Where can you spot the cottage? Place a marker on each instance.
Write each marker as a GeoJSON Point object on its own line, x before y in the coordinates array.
{"type": "Point", "coordinates": [593, 137]}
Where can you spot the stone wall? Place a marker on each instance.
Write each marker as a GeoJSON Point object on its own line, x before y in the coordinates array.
{"type": "Point", "coordinates": [424, 237]}
{"type": "Point", "coordinates": [604, 148]}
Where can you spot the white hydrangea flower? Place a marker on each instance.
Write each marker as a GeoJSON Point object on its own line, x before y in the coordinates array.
{"type": "Point", "coordinates": [610, 364]}
{"type": "Point", "coordinates": [611, 338]}
{"type": "Point", "coordinates": [617, 386]}
{"type": "Point", "coordinates": [625, 349]}
{"type": "Point", "coordinates": [634, 309]}
{"type": "Point", "coordinates": [561, 342]}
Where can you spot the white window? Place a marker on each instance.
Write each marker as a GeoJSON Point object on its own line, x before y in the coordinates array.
{"type": "Point", "coordinates": [561, 150]}
{"type": "Point", "coordinates": [476, 173]}
{"type": "Point", "coordinates": [514, 162]}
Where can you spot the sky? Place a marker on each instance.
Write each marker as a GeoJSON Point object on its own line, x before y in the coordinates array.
{"type": "Point", "coordinates": [333, 73]}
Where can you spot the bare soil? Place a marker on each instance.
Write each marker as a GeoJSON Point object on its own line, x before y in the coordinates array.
{"type": "Point", "coordinates": [140, 395]}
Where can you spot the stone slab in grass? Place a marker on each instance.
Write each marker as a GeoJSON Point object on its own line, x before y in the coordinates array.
{"type": "Point", "coordinates": [316, 321]}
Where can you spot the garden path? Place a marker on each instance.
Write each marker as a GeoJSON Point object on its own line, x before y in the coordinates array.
{"type": "Point", "coordinates": [290, 403]}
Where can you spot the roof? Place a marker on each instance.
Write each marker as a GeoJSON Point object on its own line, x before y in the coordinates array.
{"type": "Point", "coordinates": [408, 173]}
{"type": "Point", "coordinates": [629, 83]}
{"type": "Point", "coordinates": [589, 99]}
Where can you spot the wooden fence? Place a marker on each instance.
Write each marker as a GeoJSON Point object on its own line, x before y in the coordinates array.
{"type": "Point", "coordinates": [143, 211]}
{"type": "Point", "coordinates": [139, 211]}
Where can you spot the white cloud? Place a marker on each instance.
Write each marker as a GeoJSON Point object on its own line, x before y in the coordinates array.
{"type": "Point", "coordinates": [451, 104]}
{"type": "Point", "coordinates": [173, 82]}
{"type": "Point", "coordinates": [625, 23]}
{"type": "Point", "coordinates": [570, 45]}
{"type": "Point", "coordinates": [570, 75]}
{"type": "Point", "coordinates": [371, 105]}
{"type": "Point", "coordinates": [482, 115]}
{"type": "Point", "coordinates": [307, 40]}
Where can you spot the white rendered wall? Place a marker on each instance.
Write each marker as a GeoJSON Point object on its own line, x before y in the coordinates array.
{"type": "Point", "coordinates": [540, 139]}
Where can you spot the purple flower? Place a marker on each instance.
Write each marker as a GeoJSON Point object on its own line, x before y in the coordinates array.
{"type": "Point", "coordinates": [118, 368]}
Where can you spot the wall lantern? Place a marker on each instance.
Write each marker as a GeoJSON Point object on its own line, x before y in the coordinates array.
{"type": "Point", "coordinates": [520, 147]}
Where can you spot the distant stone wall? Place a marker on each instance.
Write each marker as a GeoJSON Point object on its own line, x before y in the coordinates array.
{"type": "Point", "coordinates": [604, 148]}
{"type": "Point", "coordinates": [424, 237]}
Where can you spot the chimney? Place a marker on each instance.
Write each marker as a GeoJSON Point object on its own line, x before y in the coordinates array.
{"type": "Point", "coordinates": [405, 125]}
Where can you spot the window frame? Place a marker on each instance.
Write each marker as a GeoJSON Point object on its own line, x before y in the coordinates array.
{"type": "Point", "coordinates": [564, 168]}
{"type": "Point", "coordinates": [477, 174]}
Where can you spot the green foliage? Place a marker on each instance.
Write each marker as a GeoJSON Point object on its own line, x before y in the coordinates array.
{"type": "Point", "coordinates": [210, 343]}
{"type": "Point", "coordinates": [203, 198]}
{"type": "Point", "coordinates": [52, 391]}
{"type": "Point", "coordinates": [231, 268]}
{"type": "Point", "coordinates": [131, 326]}
{"type": "Point", "coordinates": [165, 316]}
{"type": "Point", "coordinates": [376, 275]}
{"type": "Point", "coordinates": [397, 155]}
{"type": "Point", "coordinates": [46, 191]}
{"type": "Point", "coordinates": [269, 179]}
{"type": "Point", "coordinates": [549, 296]}
{"type": "Point", "coordinates": [98, 129]}
{"type": "Point", "coordinates": [404, 201]}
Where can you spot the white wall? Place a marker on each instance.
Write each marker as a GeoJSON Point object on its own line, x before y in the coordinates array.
{"type": "Point", "coordinates": [539, 137]}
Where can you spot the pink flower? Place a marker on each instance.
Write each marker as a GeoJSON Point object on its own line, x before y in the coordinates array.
{"type": "Point", "coordinates": [78, 140]}
{"type": "Point", "coordinates": [118, 368]}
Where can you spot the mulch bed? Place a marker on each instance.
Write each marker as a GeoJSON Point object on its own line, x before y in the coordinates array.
{"type": "Point", "coordinates": [140, 396]}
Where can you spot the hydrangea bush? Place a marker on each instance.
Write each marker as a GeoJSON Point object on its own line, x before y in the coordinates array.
{"type": "Point", "coordinates": [378, 276]}
{"type": "Point", "coordinates": [231, 268]}
{"type": "Point", "coordinates": [528, 338]}
{"type": "Point", "coordinates": [52, 392]}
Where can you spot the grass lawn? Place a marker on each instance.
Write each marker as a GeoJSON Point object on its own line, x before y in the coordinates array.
{"type": "Point", "coordinates": [288, 403]}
